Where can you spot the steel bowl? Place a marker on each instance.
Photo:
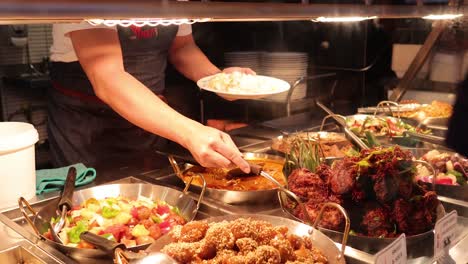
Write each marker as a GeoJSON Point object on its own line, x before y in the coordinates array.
{"type": "Point", "coordinates": [371, 244]}
{"type": "Point", "coordinates": [319, 240]}
{"type": "Point", "coordinates": [40, 221]}
{"type": "Point", "coordinates": [229, 196]}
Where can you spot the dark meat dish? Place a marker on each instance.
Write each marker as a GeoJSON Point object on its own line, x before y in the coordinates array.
{"type": "Point", "coordinates": [308, 185]}
{"type": "Point", "coordinates": [342, 178]}
{"type": "Point", "coordinates": [379, 183]}
{"type": "Point", "coordinates": [375, 222]}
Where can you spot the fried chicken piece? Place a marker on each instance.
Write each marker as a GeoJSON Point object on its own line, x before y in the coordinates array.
{"type": "Point", "coordinates": [375, 222]}
{"type": "Point", "coordinates": [220, 235]}
{"type": "Point", "coordinates": [206, 250]}
{"type": "Point", "coordinates": [266, 255]}
{"type": "Point", "coordinates": [306, 184]}
{"type": "Point", "coordinates": [175, 233]}
{"type": "Point", "coordinates": [343, 176]}
{"type": "Point", "coordinates": [424, 213]}
{"type": "Point", "coordinates": [331, 219]}
{"type": "Point", "coordinates": [182, 252]}
{"type": "Point", "coordinates": [265, 232]}
{"type": "Point", "coordinates": [193, 231]}
{"type": "Point", "coordinates": [295, 241]}
{"type": "Point", "coordinates": [281, 231]}
{"type": "Point", "coordinates": [284, 248]}
{"type": "Point", "coordinates": [430, 201]}
{"type": "Point", "coordinates": [324, 171]}
{"type": "Point", "coordinates": [309, 256]}
{"type": "Point", "coordinates": [242, 228]}
{"type": "Point", "coordinates": [385, 188]}
{"type": "Point", "coordinates": [401, 211]}
{"type": "Point", "coordinates": [405, 188]}
{"type": "Point", "coordinates": [246, 244]}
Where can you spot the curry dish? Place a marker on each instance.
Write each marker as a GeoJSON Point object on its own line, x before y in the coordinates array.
{"type": "Point", "coordinates": [217, 178]}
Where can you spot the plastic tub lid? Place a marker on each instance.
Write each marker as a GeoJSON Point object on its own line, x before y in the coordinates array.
{"type": "Point", "coordinates": [17, 135]}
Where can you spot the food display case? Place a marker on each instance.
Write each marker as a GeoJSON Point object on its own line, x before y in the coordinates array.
{"type": "Point", "coordinates": [326, 187]}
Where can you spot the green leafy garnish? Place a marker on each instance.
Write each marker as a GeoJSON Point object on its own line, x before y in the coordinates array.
{"type": "Point", "coordinates": [370, 140]}
{"type": "Point", "coordinates": [460, 179]}
{"type": "Point", "coordinates": [304, 153]}
{"type": "Point", "coordinates": [109, 212]}
{"type": "Point", "coordinates": [175, 210]}
{"type": "Point", "coordinates": [156, 219]}
{"type": "Point", "coordinates": [75, 232]}
{"type": "Point", "coordinates": [111, 201]}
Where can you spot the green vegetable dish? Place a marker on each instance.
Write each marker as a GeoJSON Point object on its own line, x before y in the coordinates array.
{"type": "Point", "coordinates": [131, 222]}
{"type": "Point", "coordinates": [381, 126]}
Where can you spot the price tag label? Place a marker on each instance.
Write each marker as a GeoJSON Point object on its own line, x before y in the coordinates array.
{"type": "Point", "coordinates": [445, 234]}
{"type": "Point", "coordinates": [395, 253]}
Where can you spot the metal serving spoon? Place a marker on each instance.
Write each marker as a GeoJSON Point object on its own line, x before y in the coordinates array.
{"type": "Point", "coordinates": [64, 205]}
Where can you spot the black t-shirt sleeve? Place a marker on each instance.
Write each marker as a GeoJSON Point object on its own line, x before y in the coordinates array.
{"type": "Point", "coordinates": [457, 135]}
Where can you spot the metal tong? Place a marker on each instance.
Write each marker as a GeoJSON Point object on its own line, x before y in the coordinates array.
{"type": "Point", "coordinates": [348, 132]}
{"type": "Point", "coordinates": [64, 205]}
{"type": "Point", "coordinates": [120, 253]}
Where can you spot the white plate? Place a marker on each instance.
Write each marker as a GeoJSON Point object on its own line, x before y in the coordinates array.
{"type": "Point", "coordinates": [282, 86]}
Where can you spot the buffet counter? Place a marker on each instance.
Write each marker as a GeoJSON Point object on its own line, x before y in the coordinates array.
{"type": "Point", "coordinates": [153, 168]}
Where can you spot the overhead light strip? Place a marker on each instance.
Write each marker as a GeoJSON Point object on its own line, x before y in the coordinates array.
{"type": "Point", "coordinates": [443, 16]}
{"type": "Point", "coordinates": [141, 22]}
{"type": "Point", "coordinates": [342, 19]}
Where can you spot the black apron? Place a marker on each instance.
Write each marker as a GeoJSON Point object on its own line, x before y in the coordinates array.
{"type": "Point", "coordinates": [81, 128]}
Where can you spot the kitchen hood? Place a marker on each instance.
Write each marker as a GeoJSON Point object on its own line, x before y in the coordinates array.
{"type": "Point", "coordinates": [40, 11]}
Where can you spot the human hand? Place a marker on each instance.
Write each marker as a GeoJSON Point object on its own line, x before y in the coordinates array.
{"type": "Point", "coordinates": [213, 148]}
{"type": "Point", "coordinates": [239, 69]}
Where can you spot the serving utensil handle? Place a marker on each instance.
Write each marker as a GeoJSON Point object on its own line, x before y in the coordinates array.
{"type": "Point", "coordinates": [382, 104]}
{"type": "Point", "coordinates": [23, 205]}
{"type": "Point", "coordinates": [179, 174]}
{"type": "Point", "coordinates": [335, 116]}
{"type": "Point", "coordinates": [68, 189]}
{"type": "Point", "coordinates": [347, 224]}
{"type": "Point", "coordinates": [102, 243]}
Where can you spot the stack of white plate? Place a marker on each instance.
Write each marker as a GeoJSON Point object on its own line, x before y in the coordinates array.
{"type": "Point", "coordinates": [244, 59]}
{"type": "Point", "coordinates": [288, 66]}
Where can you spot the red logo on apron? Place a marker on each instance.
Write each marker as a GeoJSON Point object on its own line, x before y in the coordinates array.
{"type": "Point", "coordinates": [140, 33]}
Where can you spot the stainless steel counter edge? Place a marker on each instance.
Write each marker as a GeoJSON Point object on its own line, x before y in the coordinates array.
{"type": "Point", "coordinates": [37, 246]}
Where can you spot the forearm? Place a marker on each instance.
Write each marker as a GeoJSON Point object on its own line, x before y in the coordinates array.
{"type": "Point", "coordinates": [140, 106]}
{"type": "Point", "coordinates": [192, 63]}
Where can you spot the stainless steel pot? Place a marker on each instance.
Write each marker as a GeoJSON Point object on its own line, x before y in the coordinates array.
{"type": "Point", "coordinates": [228, 196]}
{"type": "Point", "coordinates": [40, 221]}
{"type": "Point", "coordinates": [319, 240]}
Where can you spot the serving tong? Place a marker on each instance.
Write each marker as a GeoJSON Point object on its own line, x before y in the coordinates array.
{"type": "Point", "coordinates": [64, 205]}
{"type": "Point", "coordinates": [122, 255]}
{"type": "Point", "coordinates": [342, 122]}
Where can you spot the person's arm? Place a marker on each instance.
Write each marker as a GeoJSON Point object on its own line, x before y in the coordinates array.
{"type": "Point", "coordinates": [100, 55]}
{"type": "Point", "coordinates": [189, 60]}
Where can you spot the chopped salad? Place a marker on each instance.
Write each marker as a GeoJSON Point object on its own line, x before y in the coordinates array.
{"type": "Point", "coordinates": [131, 222]}
{"type": "Point", "coordinates": [451, 169]}
{"type": "Point", "coordinates": [381, 126]}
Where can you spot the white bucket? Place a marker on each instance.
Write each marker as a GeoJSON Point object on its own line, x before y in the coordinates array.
{"type": "Point", "coordinates": [17, 162]}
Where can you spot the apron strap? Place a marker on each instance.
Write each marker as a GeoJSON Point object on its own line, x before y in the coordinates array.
{"type": "Point", "coordinates": [86, 97]}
